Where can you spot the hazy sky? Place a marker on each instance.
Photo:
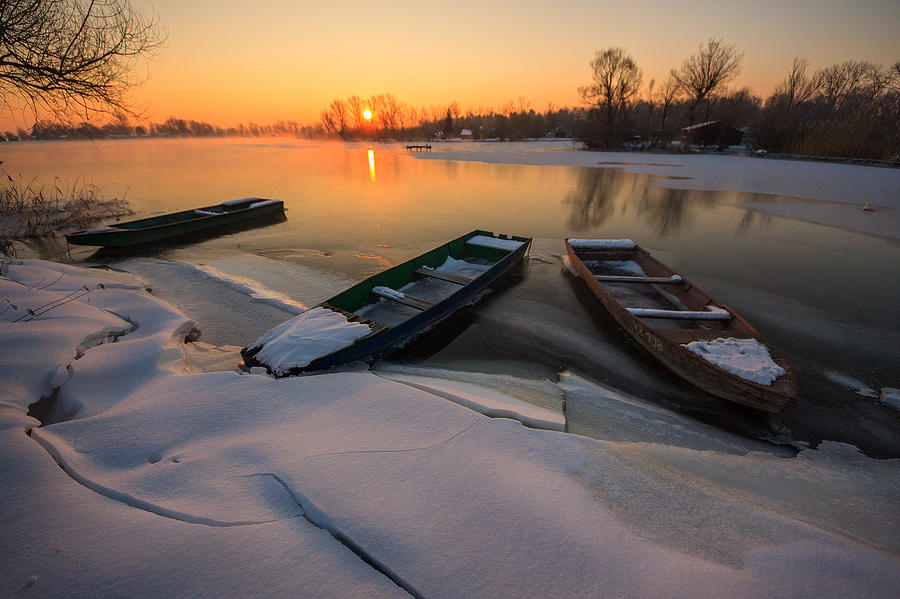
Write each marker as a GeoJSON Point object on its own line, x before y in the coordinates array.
{"type": "Point", "coordinates": [230, 61]}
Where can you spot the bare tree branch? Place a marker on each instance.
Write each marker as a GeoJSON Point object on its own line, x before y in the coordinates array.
{"type": "Point", "coordinates": [59, 57]}
{"type": "Point", "coordinates": [707, 71]}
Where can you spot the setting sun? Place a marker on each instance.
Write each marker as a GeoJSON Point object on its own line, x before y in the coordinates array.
{"type": "Point", "coordinates": [367, 114]}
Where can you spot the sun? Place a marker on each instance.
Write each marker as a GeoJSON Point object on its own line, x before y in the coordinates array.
{"type": "Point", "coordinates": [367, 114]}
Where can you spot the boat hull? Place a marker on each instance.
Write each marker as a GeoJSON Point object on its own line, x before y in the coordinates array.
{"type": "Point", "coordinates": [397, 336]}
{"type": "Point", "coordinates": [176, 225]}
{"type": "Point", "coordinates": [667, 346]}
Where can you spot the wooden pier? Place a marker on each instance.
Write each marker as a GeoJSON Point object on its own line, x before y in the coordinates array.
{"type": "Point", "coordinates": [418, 148]}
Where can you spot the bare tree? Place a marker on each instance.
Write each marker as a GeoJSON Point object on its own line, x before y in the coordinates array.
{"type": "Point", "coordinates": [616, 82]}
{"type": "Point", "coordinates": [356, 108]}
{"type": "Point", "coordinates": [706, 72]}
{"type": "Point", "coordinates": [842, 81]}
{"type": "Point", "coordinates": [72, 56]}
{"type": "Point", "coordinates": [798, 87]}
{"type": "Point", "coordinates": [668, 94]}
{"type": "Point", "coordinates": [650, 107]}
{"type": "Point", "coordinates": [334, 119]}
{"type": "Point", "coordinates": [894, 70]}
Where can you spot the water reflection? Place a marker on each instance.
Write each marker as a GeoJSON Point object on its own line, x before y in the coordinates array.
{"type": "Point", "coordinates": [371, 166]}
{"type": "Point", "coordinates": [601, 193]}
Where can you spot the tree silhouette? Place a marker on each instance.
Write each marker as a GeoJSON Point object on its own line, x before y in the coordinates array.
{"type": "Point", "coordinates": [66, 56]}
{"type": "Point", "coordinates": [706, 72]}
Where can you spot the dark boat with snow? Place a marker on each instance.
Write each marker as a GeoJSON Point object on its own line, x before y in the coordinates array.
{"type": "Point", "coordinates": [703, 341]}
{"type": "Point", "coordinates": [390, 308]}
{"type": "Point", "coordinates": [177, 224]}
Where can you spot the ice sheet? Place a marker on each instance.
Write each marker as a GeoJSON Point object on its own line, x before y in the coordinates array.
{"type": "Point", "coordinates": [842, 184]}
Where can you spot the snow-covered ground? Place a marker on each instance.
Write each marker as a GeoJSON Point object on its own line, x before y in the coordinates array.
{"type": "Point", "coordinates": [169, 471]}
{"type": "Point", "coordinates": [824, 193]}
{"type": "Point", "coordinates": [159, 481]}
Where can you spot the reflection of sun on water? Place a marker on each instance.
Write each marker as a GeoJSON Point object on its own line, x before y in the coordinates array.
{"type": "Point", "coordinates": [372, 166]}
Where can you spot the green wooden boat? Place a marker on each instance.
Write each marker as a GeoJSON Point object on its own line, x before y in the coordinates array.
{"type": "Point", "coordinates": [389, 309]}
{"type": "Point", "coordinates": [177, 224]}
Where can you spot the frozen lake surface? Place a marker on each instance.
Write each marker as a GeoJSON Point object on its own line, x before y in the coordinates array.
{"type": "Point", "coordinates": [749, 230]}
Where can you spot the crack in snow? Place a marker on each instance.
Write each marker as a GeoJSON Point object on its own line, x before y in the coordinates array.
{"type": "Point", "coordinates": [141, 504]}
{"type": "Point", "coordinates": [409, 449]}
{"type": "Point", "coordinates": [319, 519]}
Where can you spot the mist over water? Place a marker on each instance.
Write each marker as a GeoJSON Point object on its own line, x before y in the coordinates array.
{"type": "Point", "coordinates": [825, 296]}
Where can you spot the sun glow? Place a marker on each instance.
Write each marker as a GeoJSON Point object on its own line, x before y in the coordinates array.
{"type": "Point", "coordinates": [367, 114]}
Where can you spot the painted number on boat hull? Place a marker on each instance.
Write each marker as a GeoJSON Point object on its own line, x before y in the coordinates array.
{"type": "Point", "coordinates": [653, 342]}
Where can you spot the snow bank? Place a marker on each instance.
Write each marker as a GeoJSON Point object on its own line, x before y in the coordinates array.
{"type": "Point", "coordinates": [308, 336]}
{"type": "Point", "coordinates": [747, 358]}
{"type": "Point", "coordinates": [347, 484]}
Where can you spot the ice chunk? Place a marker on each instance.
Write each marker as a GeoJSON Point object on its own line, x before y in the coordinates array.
{"type": "Point", "coordinates": [307, 337]}
{"type": "Point", "coordinates": [747, 358]}
{"type": "Point", "coordinates": [891, 397]}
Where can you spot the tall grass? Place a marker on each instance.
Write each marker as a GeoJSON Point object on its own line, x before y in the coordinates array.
{"type": "Point", "coordinates": [29, 210]}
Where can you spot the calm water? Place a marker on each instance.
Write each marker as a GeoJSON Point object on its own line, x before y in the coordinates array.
{"type": "Point", "coordinates": [827, 297]}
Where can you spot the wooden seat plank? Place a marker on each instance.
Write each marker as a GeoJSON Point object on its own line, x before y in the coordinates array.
{"type": "Point", "coordinates": [628, 279]}
{"type": "Point", "coordinates": [443, 276]}
{"type": "Point", "coordinates": [717, 314]}
{"type": "Point", "coordinates": [405, 299]}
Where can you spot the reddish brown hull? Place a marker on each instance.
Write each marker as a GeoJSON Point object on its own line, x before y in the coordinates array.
{"type": "Point", "coordinates": [666, 344]}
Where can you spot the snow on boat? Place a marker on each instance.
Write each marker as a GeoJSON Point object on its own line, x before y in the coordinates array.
{"type": "Point", "coordinates": [177, 224]}
{"type": "Point", "coordinates": [389, 309]}
{"type": "Point", "coordinates": [702, 340]}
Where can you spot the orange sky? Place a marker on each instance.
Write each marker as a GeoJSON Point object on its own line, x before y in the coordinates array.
{"type": "Point", "coordinates": [228, 62]}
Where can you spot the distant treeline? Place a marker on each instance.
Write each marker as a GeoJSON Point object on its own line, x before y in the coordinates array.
{"type": "Point", "coordinates": [173, 127]}
{"type": "Point", "coordinates": [848, 110]}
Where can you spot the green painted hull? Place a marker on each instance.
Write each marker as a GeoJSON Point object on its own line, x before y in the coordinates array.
{"type": "Point", "coordinates": [177, 224]}
{"type": "Point", "coordinates": [386, 338]}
